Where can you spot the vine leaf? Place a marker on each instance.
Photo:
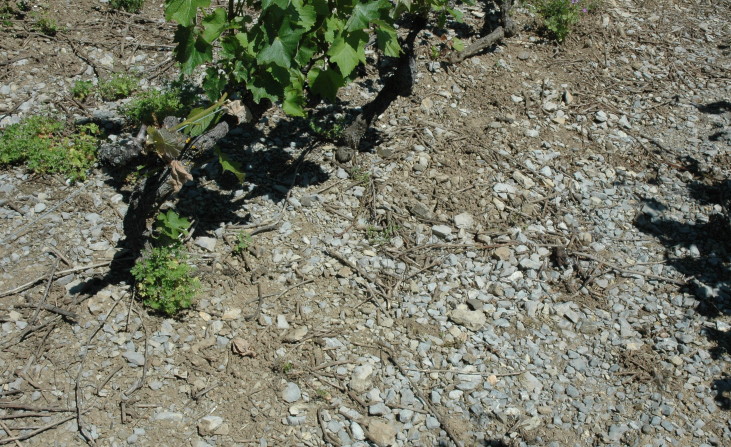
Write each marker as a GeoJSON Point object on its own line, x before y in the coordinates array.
{"type": "Point", "coordinates": [363, 14]}
{"type": "Point", "coordinates": [387, 39]}
{"type": "Point", "coordinates": [213, 25]}
{"type": "Point", "coordinates": [183, 11]}
{"type": "Point", "coordinates": [192, 50]}
{"type": "Point", "coordinates": [294, 99]}
{"type": "Point", "coordinates": [344, 55]}
{"type": "Point", "coordinates": [229, 165]}
{"type": "Point", "coordinates": [167, 144]}
{"type": "Point", "coordinates": [325, 82]}
{"type": "Point", "coordinates": [283, 47]}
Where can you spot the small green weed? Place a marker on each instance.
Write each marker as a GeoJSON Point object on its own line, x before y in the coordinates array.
{"type": "Point", "coordinates": [153, 106]}
{"type": "Point", "coordinates": [164, 279]}
{"type": "Point", "coordinates": [46, 145]}
{"type": "Point", "coordinates": [243, 242]}
{"type": "Point", "coordinates": [170, 227]}
{"type": "Point", "coordinates": [45, 24]}
{"type": "Point", "coordinates": [82, 90]}
{"type": "Point", "coordinates": [360, 176]}
{"type": "Point", "coordinates": [323, 394]}
{"type": "Point", "coordinates": [560, 16]}
{"type": "Point", "coordinates": [434, 53]}
{"type": "Point", "coordinates": [133, 6]}
{"type": "Point", "coordinates": [380, 236]}
{"type": "Point", "coordinates": [329, 130]}
{"type": "Point", "coordinates": [282, 366]}
{"type": "Point", "coordinates": [117, 87]}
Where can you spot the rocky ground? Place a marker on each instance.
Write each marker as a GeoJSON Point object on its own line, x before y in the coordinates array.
{"type": "Point", "coordinates": [533, 252]}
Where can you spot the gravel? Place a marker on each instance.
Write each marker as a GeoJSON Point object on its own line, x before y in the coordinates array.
{"type": "Point", "coordinates": [541, 304]}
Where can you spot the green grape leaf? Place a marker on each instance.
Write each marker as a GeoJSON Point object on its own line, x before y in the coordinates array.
{"type": "Point", "coordinates": [275, 53]}
{"type": "Point", "coordinates": [344, 55]}
{"type": "Point", "coordinates": [229, 165]}
{"type": "Point", "coordinates": [265, 4]}
{"type": "Point", "coordinates": [457, 44]}
{"type": "Point", "coordinates": [304, 54]}
{"type": "Point", "coordinates": [214, 83]}
{"type": "Point", "coordinates": [283, 48]}
{"type": "Point", "coordinates": [172, 225]}
{"type": "Point", "coordinates": [263, 84]}
{"type": "Point", "coordinates": [325, 83]}
{"type": "Point", "coordinates": [213, 25]}
{"type": "Point", "coordinates": [184, 11]}
{"type": "Point", "coordinates": [165, 142]}
{"type": "Point", "coordinates": [307, 14]}
{"type": "Point", "coordinates": [387, 39]}
{"type": "Point", "coordinates": [363, 14]}
{"type": "Point", "coordinates": [191, 50]}
{"type": "Point", "coordinates": [333, 26]}
{"type": "Point", "coordinates": [294, 98]}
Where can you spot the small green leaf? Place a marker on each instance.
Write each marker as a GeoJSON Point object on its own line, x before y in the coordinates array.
{"type": "Point", "coordinates": [275, 53]}
{"type": "Point", "coordinates": [213, 25]}
{"type": "Point", "coordinates": [283, 48]}
{"type": "Point", "coordinates": [229, 165]}
{"type": "Point", "coordinates": [184, 11]}
{"type": "Point", "coordinates": [304, 54]}
{"type": "Point", "coordinates": [333, 27]}
{"type": "Point", "coordinates": [457, 44]}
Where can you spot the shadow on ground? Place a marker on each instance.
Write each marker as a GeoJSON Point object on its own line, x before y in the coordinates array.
{"type": "Point", "coordinates": [700, 251]}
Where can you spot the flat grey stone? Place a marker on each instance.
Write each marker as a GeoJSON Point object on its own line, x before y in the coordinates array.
{"type": "Point", "coordinates": [291, 392]}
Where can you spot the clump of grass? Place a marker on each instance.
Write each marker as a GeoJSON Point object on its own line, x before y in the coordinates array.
{"type": "Point", "coordinates": [47, 145]}
{"type": "Point", "coordinates": [133, 6]}
{"type": "Point", "coordinates": [117, 87]}
{"type": "Point", "coordinates": [152, 106]}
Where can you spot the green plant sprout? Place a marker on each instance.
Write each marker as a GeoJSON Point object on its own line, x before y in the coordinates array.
{"type": "Point", "coordinates": [170, 227]}
{"type": "Point", "coordinates": [560, 16]}
{"type": "Point", "coordinates": [360, 175]}
{"type": "Point", "coordinates": [133, 6]}
{"type": "Point", "coordinates": [45, 24]}
{"type": "Point", "coordinates": [380, 236]}
{"type": "Point", "coordinates": [164, 280]}
{"type": "Point", "coordinates": [243, 242]}
{"type": "Point", "coordinates": [82, 89]}
{"type": "Point", "coordinates": [117, 87]}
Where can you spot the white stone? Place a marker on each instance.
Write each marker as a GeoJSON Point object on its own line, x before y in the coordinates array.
{"type": "Point", "coordinates": [471, 319]}
{"type": "Point", "coordinates": [208, 243]}
{"type": "Point", "coordinates": [464, 220]}
{"type": "Point", "coordinates": [441, 230]}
